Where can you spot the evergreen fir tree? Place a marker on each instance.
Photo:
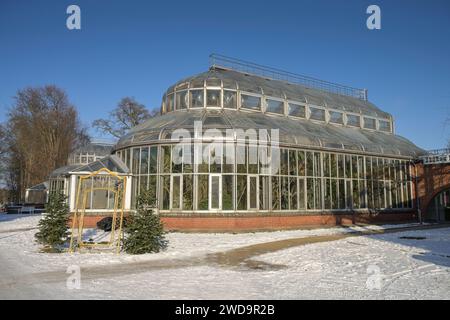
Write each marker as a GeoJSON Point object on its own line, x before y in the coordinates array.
{"type": "Point", "coordinates": [53, 227]}
{"type": "Point", "coordinates": [144, 230]}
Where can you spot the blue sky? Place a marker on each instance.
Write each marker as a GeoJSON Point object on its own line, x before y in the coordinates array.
{"type": "Point", "coordinates": [139, 48]}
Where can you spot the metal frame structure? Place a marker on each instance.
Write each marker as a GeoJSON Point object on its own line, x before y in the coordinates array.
{"type": "Point", "coordinates": [221, 61]}
{"type": "Point", "coordinates": [79, 213]}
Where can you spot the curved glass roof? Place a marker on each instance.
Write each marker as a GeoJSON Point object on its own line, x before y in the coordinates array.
{"type": "Point", "coordinates": [292, 132]}
{"type": "Point", "coordinates": [234, 80]}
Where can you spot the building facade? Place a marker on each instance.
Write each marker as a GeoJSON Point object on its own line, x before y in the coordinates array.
{"type": "Point", "coordinates": [235, 149]}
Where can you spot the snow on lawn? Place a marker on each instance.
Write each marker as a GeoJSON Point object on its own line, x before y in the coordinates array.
{"type": "Point", "coordinates": [340, 269]}
{"type": "Point", "coordinates": [181, 245]}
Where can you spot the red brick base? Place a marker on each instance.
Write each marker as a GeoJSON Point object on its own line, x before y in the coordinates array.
{"type": "Point", "coordinates": [253, 223]}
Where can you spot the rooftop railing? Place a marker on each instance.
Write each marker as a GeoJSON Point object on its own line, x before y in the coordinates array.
{"type": "Point", "coordinates": [221, 61]}
{"type": "Point", "coordinates": [436, 156]}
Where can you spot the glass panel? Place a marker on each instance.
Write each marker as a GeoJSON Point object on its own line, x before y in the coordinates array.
{"type": "Point", "coordinates": [203, 166]}
{"type": "Point", "coordinates": [275, 193]}
{"type": "Point", "coordinates": [326, 164]}
{"type": "Point", "coordinates": [309, 164]}
{"type": "Point", "coordinates": [284, 193]}
{"type": "Point", "coordinates": [136, 153]}
{"type": "Point", "coordinates": [215, 159]}
{"type": "Point", "coordinates": [188, 192]}
{"type": "Point", "coordinates": [176, 189]}
{"type": "Point", "coordinates": [297, 110]}
{"type": "Point", "coordinates": [213, 98]}
{"type": "Point", "coordinates": [284, 161]}
{"type": "Point", "coordinates": [333, 165]}
{"type": "Point", "coordinates": [317, 114]}
{"type": "Point", "coordinates": [354, 167]}
{"type": "Point", "coordinates": [353, 120]}
{"type": "Point", "coordinates": [293, 201]}
{"type": "Point", "coordinates": [310, 193]}
{"type": "Point", "coordinates": [182, 100]}
{"type": "Point", "coordinates": [253, 192]}
{"type": "Point", "coordinates": [336, 117]}
{"type": "Point", "coordinates": [202, 192]}
{"type": "Point", "coordinates": [241, 157]}
{"type": "Point", "coordinates": [293, 163]}
{"type": "Point", "coordinates": [99, 199]}
{"type": "Point", "coordinates": [229, 99]}
{"type": "Point", "coordinates": [165, 183]}
{"type": "Point", "coordinates": [341, 197]}
{"type": "Point", "coordinates": [153, 159]}
{"type": "Point", "coordinates": [227, 192]}
{"type": "Point", "coordinates": [196, 98]}
{"type": "Point", "coordinates": [348, 167]}
{"type": "Point", "coordinates": [264, 192]}
{"type": "Point", "coordinates": [275, 106]}
{"type": "Point", "coordinates": [144, 161]}
{"type": "Point", "coordinates": [301, 163]}
{"type": "Point", "coordinates": [356, 196]}
{"type": "Point", "coordinates": [370, 123]}
{"type": "Point", "coordinates": [215, 192]}
{"type": "Point", "coordinates": [165, 159]}
{"type": "Point", "coordinates": [384, 125]}
{"type": "Point", "coordinates": [152, 188]}
{"type": "Point", "coordinates": [334, 194]}
{"type": "Point", "coordinates": [301, 193]}
{"type": "Point", "coordinates": [170, 102]}
{"type": "Point", "coordinates": [327, 193]}
{"type": "Point", "coordinates": [177, 159]}
{"type": "Point", "coordinates": [318, 193]}
{"type": "Point", "coordinates": [362, 194]}
{"type": "Point", "coordinates": [252, 159]}
{"type": "Point", "coordinates": [241, 192]}
{"type": "Point", "coordinates": [250, 102]}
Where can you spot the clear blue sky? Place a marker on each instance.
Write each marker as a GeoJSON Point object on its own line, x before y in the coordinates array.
{"type": "Point", "coordinates": [139, 48]}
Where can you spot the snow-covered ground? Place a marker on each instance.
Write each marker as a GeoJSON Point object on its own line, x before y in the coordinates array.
{"type": "Point", "coordinates": [365, 267]}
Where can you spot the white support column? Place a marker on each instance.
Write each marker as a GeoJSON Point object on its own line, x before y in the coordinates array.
{"type": "Point", "coordinates": [128, 193]}
{"type": "Point", "coordinates": [73, 192]}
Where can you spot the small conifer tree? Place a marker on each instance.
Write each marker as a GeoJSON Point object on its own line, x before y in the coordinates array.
{"type": "Point", "coordinates": [144, 229]}
{"type": "Point", "coordinates": [53, 227]}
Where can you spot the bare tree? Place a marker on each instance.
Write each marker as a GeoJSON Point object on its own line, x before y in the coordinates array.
{"type": "Point", "coordinates": [42, 130]}
{"type": "Point", "coordinates": [128, 114]}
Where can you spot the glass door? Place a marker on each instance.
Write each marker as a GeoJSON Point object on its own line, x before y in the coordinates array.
{"type": "Point", "coordinates": [252, 189]}
{"type": "Point", "coordinates": [215, 192]}
{"type": "Point", "coordinates": [176, 187]}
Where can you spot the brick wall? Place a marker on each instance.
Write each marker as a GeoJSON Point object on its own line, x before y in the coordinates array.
{"type": "Point", "coordinates": [254, 223]}
{"type": "Point", "coordinates": [431, 180]}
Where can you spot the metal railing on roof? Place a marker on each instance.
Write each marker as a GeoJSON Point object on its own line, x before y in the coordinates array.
{"type": "Point", "coordinates": [221, 61]}
{"type": "Point", "coordinates": [436, 156]}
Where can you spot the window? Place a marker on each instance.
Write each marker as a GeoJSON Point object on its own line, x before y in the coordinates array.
{"type": "Point", "coordinates": [336, 117]}
{"type": "Point", "coordinates": [196, 98]}
{"type": "Point", "coordinates": [250, 102]}
{"type": "Point", "coordinates": [370, 123]}
{"type": "Point", "coordinates": [384, 125]}
{"type": "Point", "coordinates": [144, 161]}
{"type": "Point", "coordinates": [213, 98]}
{"type": "Point", "coordinates": [353, 120]}
{"type": "Point", "coordinates": [182, 98]}
{"type": "Point", "coordinates": [297, 110]}
{"type": "Point", "coordinates": [202, 192]}
{"type": "Point", "coordinates": [317, 114]}
{"type": "Point", "coordinates": [170, 102]}
{"type": "Point", "coordinates": [275, 106]}
{"type": "Point", "coordinates": [229, 99]}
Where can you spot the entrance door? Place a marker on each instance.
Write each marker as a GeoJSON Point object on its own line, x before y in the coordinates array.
{"type": "Point", "coordinates": [176, 195]}
{"type": "Point", "coordinates": [252, 192]}
{"type": "Point", "coordinates": [215, 192]}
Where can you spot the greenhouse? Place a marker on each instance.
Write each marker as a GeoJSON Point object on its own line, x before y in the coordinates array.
{"type": "Point", "coordinates": [245, 141]}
